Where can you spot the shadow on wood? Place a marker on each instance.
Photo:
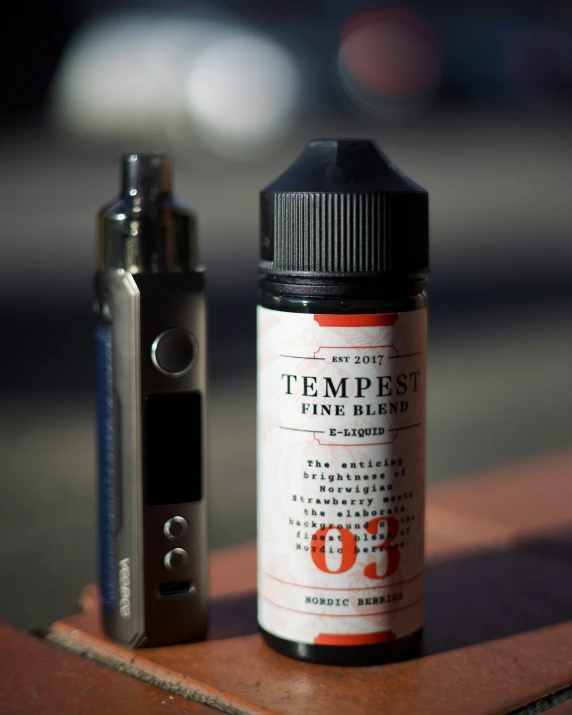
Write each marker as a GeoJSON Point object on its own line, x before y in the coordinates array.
{"type": "Point", "coordinates": [233, 616]}
{"type": "Point", "coordinates": [495, 593]}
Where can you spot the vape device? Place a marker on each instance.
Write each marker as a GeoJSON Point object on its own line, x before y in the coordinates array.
{"type": "Point", "coordinates": [151, 394]}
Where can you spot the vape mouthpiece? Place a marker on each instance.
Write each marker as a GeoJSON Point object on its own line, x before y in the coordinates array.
{"type": "Point", "coordinates": [145, 229]}
{"type": "Point", "coordinates": [146, 175]}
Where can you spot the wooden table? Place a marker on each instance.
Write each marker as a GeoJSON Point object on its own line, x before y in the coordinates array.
{"type": "Point", "coordinates": [498, 636]}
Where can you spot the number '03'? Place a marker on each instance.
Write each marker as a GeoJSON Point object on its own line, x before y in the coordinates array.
{"type": "Point", "coordinates": [350, 550]}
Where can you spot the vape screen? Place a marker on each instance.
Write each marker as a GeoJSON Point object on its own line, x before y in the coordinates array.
{"type": "Point", "coordinates": [173, 448]}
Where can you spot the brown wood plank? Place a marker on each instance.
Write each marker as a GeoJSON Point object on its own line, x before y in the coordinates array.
{"type": "Point", "coordinates": [243, 673]}
{"type": "Point", "coordinates": [564, 709]}
{"type": "Point", "coordinates": [37, 678]}
{"type": "Point", "coordinates": [529, 496]}
{"type": "Point", "coordinates": [499, 618]}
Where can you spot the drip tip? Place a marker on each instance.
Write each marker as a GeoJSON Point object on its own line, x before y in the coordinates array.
{"type": "Point", "coordinates": [146, 175]}
{"type": "Point", "coordinates": [145, 230]}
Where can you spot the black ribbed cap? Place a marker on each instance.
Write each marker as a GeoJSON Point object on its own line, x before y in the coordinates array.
{"type": "Point", "coordinates": [344, 208]}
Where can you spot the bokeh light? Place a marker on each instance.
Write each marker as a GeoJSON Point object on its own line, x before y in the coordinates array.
{"type": "Point", "coordinates": [389, 62]}
{"type": "Point", "coordinates": [175, 80]}
{"type": "Point", "coordinates": [241, 94]}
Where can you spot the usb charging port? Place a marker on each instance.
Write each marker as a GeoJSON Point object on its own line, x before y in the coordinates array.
{"type": "Point", "coordinates": [174, 588]}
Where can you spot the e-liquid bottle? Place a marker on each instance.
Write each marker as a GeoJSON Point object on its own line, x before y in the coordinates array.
{"type": "Point", "coordinates": [342, 343]}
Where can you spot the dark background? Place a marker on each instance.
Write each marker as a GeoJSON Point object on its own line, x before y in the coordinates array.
{"type": "Point", "coordinates": [473, 100]}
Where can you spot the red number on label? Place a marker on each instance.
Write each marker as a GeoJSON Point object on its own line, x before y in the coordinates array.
{"type": "Point", "coordinates": [348, 548]}
{"type": "Point", "coordinates": [393, 557]}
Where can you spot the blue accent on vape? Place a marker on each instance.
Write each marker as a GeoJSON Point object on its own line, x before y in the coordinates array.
{"type": "Point", "coordinates": [106, 466]}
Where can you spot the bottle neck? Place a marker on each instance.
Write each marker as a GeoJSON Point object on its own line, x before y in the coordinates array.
{"type": "Point", "coordinates": [374, 287]}
{"type": "Point", "coordinates": [344, 295]}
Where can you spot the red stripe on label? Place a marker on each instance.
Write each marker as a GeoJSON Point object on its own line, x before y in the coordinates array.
{"type": "Point", "coordinates": [356, 321]}
{"type": "Point", "coordinates": [363, 639]}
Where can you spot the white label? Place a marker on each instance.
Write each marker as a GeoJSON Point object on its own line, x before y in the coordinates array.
{"type": "Point", "coordinates": [341, 475]}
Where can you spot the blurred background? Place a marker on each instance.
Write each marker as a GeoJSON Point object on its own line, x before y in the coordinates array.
{"type": "Point", "coordinates": [473, 100]}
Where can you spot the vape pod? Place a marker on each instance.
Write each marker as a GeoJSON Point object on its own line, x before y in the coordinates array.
{"type": "Point", "coordinates": [151, 395]}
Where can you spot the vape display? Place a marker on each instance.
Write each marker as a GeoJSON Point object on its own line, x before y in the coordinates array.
{"type": "Point", "coordinates": [151, 390]}
{"type": "Point", "coordinates": [342, 345]}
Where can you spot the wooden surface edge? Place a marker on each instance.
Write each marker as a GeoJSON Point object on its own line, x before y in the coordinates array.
{"type": "Point", "coordinates": [150, 672]}
{"type": "Point", "coordinates": [37, 676]}
{"type": "Point", "coordinates": [556, 702]}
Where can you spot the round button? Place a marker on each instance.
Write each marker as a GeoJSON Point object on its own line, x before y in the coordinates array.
{"type": "Point", "coordinates": [175, 558]}
{"type": "Point", "coordinates": [173, 352]}
{"type": "Point", "coordinates": [175, 527]}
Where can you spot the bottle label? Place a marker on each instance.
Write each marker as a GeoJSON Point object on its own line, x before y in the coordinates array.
{"type": "Point", "coordinates": [341, 475]}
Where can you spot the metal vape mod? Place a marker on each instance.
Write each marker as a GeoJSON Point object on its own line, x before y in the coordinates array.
{"type": "Point", "coordinates": [151, 374]}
